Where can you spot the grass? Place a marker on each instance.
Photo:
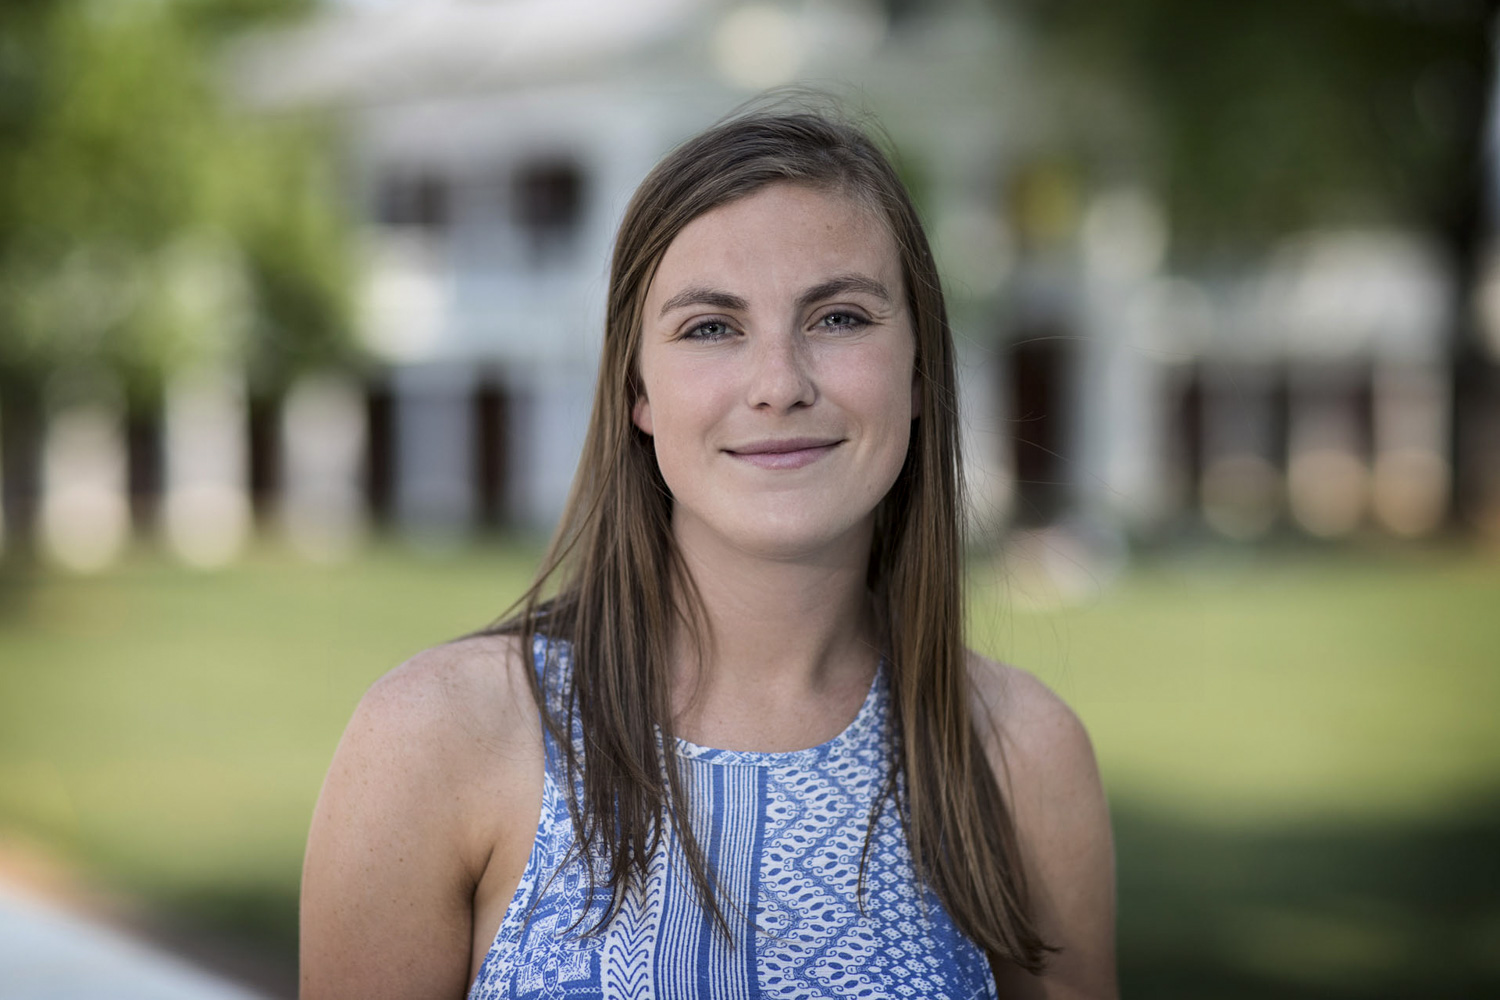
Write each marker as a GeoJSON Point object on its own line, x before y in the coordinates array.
{"type": "Point", "coordinates": [1301, 752]}
{"type": "Point", "coordinates": [1303, 760]}
{"type": "Point", "coordinates": [1303, 686]}
{"type": "Point", "coordinates": [169, 729]}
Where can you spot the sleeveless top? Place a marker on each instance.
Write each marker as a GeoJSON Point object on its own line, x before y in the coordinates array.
{"type": "Point", "coordinates": [783, 834]}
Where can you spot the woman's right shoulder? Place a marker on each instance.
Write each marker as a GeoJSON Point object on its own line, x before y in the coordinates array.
{"type": "Point", "coordinates": [477, 686]}
{"type": "Point", "coordinates": [433, 790]}
{"type": "Point", "coordinates": [453, 736]}
{"type": "Point", "coordinates": [456, 721]}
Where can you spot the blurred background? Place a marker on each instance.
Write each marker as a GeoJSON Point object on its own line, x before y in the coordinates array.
{"type": "Point", "coordinates": [299, 309]}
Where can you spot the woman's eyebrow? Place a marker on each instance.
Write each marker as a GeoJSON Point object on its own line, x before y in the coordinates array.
{"type": "Point", "coordinates": [704, 297]}
{"type": "Point", "coordinates": [841, 285]}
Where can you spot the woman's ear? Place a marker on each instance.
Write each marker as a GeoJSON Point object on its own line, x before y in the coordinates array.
{"type": "Point", "coordinates": [916, 395]}
{"type": "Point", "coordinates": [640, 413]}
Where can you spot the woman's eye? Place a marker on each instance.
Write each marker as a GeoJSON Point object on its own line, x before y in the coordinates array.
{"type": "Point", "coordinates": [841, 321]}
{"type": "Point", "coordinates": [711, 330]}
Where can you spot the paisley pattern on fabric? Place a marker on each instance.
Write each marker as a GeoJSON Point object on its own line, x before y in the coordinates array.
{"type": "Point", "coordinates": [783, 834]}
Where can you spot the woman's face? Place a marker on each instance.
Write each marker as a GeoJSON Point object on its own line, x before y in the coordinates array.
{"type": "Point", "coordinates": [776, 366]}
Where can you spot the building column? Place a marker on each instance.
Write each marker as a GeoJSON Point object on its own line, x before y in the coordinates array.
{"type": "Point", "coordinates": [1328, 472]}
{"type": "Point", "coordinates": [434, 451]}
{"type": "Point", "coordinates": [1118, 473]}
{"type": "Point", "coordinates": [1412, 476]}
{"type": "Point", "coordinates": [85, 510]}
{"type": "Point", "coordinates": [551, 420]}
{"type": "Point", "coordinates": [989, 463]}
{"type": "Point", "coordinates": [324, 435]}
{"type": "Point", "coordinates": [1241, 488]}
{"type": "Point", "coordinates": [207, 511]}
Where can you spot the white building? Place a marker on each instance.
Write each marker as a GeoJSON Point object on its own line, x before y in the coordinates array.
{"type": "Point", "coordinates": [493, 147]}
{"type": "Point", "coordinates": [493, 144]}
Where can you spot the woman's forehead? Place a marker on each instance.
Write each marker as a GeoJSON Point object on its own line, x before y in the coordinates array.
{"type": "Point", "coordinates": [783, 235]}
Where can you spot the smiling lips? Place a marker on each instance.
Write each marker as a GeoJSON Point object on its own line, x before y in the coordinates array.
{"type": "Point", "coordinates": [786, 453]}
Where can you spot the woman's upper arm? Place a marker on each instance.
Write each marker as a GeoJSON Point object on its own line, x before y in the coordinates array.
{"type": "Point", "coordinates": [404, 828]}
{"type": "Point", "coordinates": [1046, 766]}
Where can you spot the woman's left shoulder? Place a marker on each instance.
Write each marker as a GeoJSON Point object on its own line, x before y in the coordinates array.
{"type": "Point", "coordinates": [1043, 759]}
{"type": "Point", "coordinates": [1026, 722]}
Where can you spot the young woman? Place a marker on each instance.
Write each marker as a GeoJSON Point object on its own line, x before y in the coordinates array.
{"type": "Point", "coordinates": [732, 744]}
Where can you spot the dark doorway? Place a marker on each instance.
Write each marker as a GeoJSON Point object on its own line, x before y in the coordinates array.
{"type": "Point", "coordinates": [1040, 363]}
{"type": "Point", "coordinates": [547, 196]}
{"type": "Point", "coordinates": [380, 459]}
{"type": "Point", "coordinates": [264, 456]}
{"type": "Point", "coordinates": [21, 429]}
{"type": "Point", "coordinates": [492, 441]}
{"type": "Point", "coordinates": [145, 467]}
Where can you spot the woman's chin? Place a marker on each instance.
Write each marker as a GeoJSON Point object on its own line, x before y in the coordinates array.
{"type": "Point", "coordinates": [785, 537]}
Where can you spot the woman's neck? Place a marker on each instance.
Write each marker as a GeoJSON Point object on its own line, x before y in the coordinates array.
{"type": "Point", "coordinates": [790, 650]}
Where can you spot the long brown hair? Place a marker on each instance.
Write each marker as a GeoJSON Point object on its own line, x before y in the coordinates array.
{"type": "Point", "coordinates": [612, 584]}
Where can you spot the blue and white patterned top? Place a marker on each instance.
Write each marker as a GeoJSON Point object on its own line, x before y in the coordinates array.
{"type": "Point", "coordinates": [783, 833]}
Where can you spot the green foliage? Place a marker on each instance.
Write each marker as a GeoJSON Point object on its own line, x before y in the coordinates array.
{"type": "Point", "coordinates": [144, 223]}
{"type": "Point", "coordinates": [1264, 116]}
{"type": "Point", "coordinates": [223, 18]}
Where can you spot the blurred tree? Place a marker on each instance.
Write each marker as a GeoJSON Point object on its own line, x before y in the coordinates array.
{"type": "Point", "coordinates": [1257, 118]}
{"type": "Point", "coordinates": [1262, 117]}
{"type": "Point", "coordinates": [145, 223]}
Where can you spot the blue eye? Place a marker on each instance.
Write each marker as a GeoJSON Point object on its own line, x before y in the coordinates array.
{"type": "Point", "coordinates": [842, 321]}
{"type": "Point", "coordinates": [709, 330]}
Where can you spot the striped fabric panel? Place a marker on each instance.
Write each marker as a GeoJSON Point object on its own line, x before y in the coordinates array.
{"type": "Point", "coordinates": [695, 959]}
{"type": "Point", "coordinates": [783, 833]}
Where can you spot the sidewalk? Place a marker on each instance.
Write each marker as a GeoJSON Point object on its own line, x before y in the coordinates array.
{"type": "Point", "coordinates": [48, 954]}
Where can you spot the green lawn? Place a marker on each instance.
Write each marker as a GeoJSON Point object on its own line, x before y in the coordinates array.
{"type": "Point", "coordinates": [1301, 751]}
{"type": "Point", "coordinates": [1299, 687]}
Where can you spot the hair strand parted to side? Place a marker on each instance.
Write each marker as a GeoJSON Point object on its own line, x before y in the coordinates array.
{"type": "Point", "coordinates": [614, 588]}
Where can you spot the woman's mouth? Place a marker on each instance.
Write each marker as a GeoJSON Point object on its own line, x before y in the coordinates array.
{"type": "Point", "coordinates": [784, 453]}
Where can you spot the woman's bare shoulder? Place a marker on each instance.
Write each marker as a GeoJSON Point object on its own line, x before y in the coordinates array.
{"type": "Point", "coordinates": [1028, 719]}
{"type": "Point", "coordinates": [1045, 758]}
{"type": "Point", "coordinates": [457, 721]}
{"type": "Point", "coordinates": [437, 778]}
{"type": "Point", "coordinates": [450, 710]}
{"type": "Point", "coordinates": [1044, 761]}
{"type": "Point", "coordinates": [471, 687]}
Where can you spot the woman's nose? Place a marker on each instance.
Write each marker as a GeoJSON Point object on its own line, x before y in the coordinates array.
{"type": "Point", "coordinates": [781, 376]}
